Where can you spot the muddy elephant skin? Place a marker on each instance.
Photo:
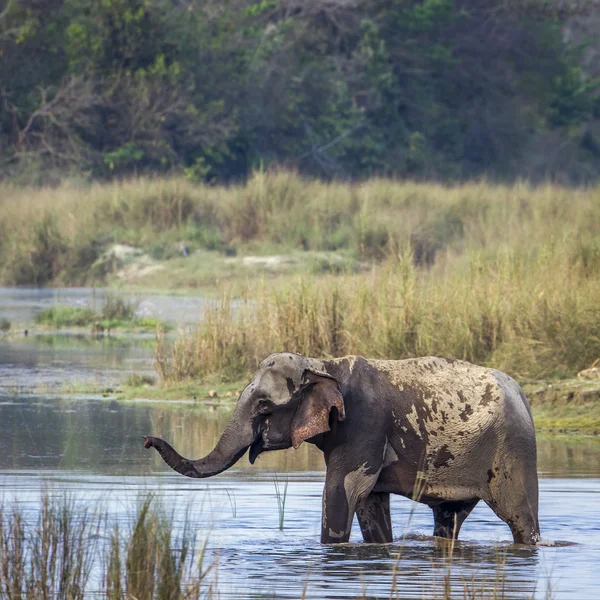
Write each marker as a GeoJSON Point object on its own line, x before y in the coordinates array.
{"type": "Point", "coordinates": [443, 432]}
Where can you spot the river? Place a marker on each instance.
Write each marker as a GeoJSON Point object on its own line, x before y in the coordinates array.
{"type": "Point", "coordinates": [91, 448]}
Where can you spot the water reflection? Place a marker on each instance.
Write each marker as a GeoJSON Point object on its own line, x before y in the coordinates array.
{"type": "Point", "coordinates": [426, 569]}
{"type": "Point", "coordinates": [46, 432]}
{"type": "Point", "coordinates": [21, 305]}
{"type": "Point", "coordinates": [568, 456]}
{"type": "Point", "coordinates": [48, 361]}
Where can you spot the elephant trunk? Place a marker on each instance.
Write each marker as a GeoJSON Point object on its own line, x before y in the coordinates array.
{"type": "Point", "coordinates": [229, 449]}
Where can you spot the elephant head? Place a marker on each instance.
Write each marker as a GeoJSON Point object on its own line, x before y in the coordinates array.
{"type": "Point", "coordinates": [288, 401]}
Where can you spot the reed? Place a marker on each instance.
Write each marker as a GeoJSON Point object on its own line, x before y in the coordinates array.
{"type": "Point", "coordinates": [281, 495]}
{"type": "Point", "coordinates": [51, 558]}
{"type": "Point", "coordinates": [152, 562]}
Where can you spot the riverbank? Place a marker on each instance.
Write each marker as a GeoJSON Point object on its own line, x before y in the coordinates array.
{"type": "Point", "coordinates": [569, 406]}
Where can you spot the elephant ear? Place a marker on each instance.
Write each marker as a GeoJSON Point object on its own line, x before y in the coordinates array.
{"type": "Point", "coordinates": [318, 393]}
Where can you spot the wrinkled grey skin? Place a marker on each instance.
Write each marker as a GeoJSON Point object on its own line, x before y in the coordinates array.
{"type": "Point", "coordinates": [442, 432]}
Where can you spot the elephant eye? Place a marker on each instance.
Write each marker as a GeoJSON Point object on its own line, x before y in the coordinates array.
{"type": "Point", "coordinates": [264, 406]}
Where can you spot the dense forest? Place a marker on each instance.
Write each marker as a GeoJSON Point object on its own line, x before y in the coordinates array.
{"type": "Point", "coordinates": [428, 89]}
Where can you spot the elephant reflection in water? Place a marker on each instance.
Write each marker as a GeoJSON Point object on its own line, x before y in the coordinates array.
{"type": "Point", "coordinates": [443, 432]}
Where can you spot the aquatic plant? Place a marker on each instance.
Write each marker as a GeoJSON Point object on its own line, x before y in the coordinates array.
{"type": "Point", "coordinates": [117, 313]}
{"type": "Point", "coordinates": [118, 308]}
{"type": "Point", "coordinates": [51, 558]}
{"type": "Point", "coordinates": [281, 495]}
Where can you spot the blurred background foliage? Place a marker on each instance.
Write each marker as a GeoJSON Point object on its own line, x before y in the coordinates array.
{"type": "Point", "coordinates": [213, 89]}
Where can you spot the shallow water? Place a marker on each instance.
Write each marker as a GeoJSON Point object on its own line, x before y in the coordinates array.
{"type": "Point", "coordinates": [21, 305]}
{"type": "Point", "coordinates": [92, 449]}
{"type": "Point", "coordinates": [49, 361]}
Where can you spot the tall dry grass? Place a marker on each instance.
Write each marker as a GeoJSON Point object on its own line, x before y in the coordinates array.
{"type": "Point", "coordinates": [530, 311]}
{"type": "Point", "coordinates": [56, 234]}
{"type": "Point", "coordinates": [59, 556]}
{"type": "Point", "coordinates": [48, 560]}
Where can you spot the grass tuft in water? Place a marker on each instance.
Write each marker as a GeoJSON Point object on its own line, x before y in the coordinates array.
{"type": "Point", "coordinates": [54, 557]}
{"type": "Point", "coordinates": [281, 494]}
{"type": "Point", "coordinates": [51, 558]}
{"type": "Point", "coordinates": [118, 308]}
{"type": "Point", "coordinates": [117, 313]}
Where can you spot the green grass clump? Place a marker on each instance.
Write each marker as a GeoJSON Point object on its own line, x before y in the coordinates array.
{"type": "Point", "coordinates": [5, 325]}
{"type": "Point", "coordinates": [117, 313]}
{"type": "Point", "coordinates": [60, 315]}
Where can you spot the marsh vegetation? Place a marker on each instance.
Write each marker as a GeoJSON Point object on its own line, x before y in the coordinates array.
{"type": "Point", "coordinates": [117, 313]}
{"type": "Point", "coordinates": [70, 552]}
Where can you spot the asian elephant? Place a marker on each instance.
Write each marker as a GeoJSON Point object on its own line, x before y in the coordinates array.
{"type": "Point", "coordinates": [443, 432]}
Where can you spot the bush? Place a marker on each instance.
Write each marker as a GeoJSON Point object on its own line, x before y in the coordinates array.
{"type": "Point", "coordinates": [118, 309]}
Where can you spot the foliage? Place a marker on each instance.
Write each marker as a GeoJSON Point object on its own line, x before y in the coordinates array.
{"type": "Point", "coordinates": [51, 558]}
{"type": "Point", "coordinates": [117, 307]}
{"type": "Point", "coordinates": [421, 88]}
{"type": "Point", "coordinates": [65, 316]}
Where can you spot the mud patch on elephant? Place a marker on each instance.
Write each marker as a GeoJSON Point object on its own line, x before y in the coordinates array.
{"type": "Point", "coordinates": [466, 413]}
{"type": "Point", "coordinates": [442, 458]}
{"type": "Point", "coordinates": [488, 396]}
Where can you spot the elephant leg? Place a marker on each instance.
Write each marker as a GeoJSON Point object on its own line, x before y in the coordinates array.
{"type": "Point", "coordinates": [514, 498]}
{"type": "Point", "coordinates": [520, 512]}
{"type": "Point", "coordinates": [522, 519]}
{"type": "Point", "coordinates": [449, 517]}
{"type": "Point", "coordinates": [336, 520]}
{"type": "Point", "coordinates": [344, 489]}
{"type": "Point", "coordinates": [373, 512]}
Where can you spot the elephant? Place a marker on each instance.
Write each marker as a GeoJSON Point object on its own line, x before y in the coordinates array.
{"type": "Point", "coordinates": [443, 432]}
